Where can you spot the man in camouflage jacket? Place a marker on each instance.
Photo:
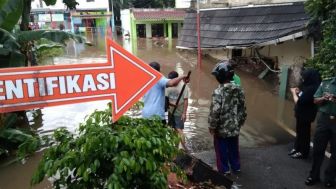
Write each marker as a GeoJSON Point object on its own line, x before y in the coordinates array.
{"type": "Point", "coordinates": [227, 115]}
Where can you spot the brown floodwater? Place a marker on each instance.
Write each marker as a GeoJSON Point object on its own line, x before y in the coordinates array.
{"type": "Point", "coordinates": [269, 120]}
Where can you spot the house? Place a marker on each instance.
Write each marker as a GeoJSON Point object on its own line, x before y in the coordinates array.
{"type": "Point", "coordinates": [274, 32]}
{"type": "Point", "coordinates": [88, 14]}
{"type": "Point", "coordinates": [148, 23]}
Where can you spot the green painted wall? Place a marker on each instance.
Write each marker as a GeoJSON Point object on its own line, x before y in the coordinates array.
{"type": "Point", "coordinates": [101, 22]}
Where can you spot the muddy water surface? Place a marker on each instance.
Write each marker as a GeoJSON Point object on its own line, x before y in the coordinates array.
{"type": "Point", "coordinates": [268, 123]}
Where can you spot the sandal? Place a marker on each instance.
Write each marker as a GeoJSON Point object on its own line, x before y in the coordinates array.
{"type": "Point", "coordinates": [293, 151]}
{"type": "Point", "coordinates": [298, 155]}
{"type": "Point", "coordinates": [310, 181]}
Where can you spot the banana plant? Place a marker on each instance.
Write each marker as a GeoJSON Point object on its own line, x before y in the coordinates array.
{"type": "Point", "coordinates": [17, 49]}
{"type": "Point", "coordinates": [12, 10]}
{"type": "Point", "coordinates": [14, 46]}
{"type": "Point", "coordinates": [11, 138]}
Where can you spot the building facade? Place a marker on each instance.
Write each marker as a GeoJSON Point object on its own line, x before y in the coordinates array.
{"type": "Point", "coordinates": [150, 23]}
{"type": "Point", "coordinates": [89, 15]}
{"type": "Point", "coordinates": [275, 35]}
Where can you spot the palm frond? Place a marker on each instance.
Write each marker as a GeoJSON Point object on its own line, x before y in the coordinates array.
{"type": "Point", "coordinates": [52, 35]}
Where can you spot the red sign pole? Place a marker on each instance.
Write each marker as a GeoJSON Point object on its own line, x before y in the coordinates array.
{"type": "Point", "coordinates": [199, 51]}
{"type": "Point", "coordinates": [124, 79]}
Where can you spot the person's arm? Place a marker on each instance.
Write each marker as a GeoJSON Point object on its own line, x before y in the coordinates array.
{"type": "Point", "coordinates": [214, 115]}
{"type": "Point", "coordinates": [322, 99]}
{"type": "Point", "coordinates": [319, 98]}
{"type": "Point", "coordinates": [295, 92]}
{"type": "Point", "coordinates": [242, 115]}
{"type": "Point", "coordinates": [174, 82]}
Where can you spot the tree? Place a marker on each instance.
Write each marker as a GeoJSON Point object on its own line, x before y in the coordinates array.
{"type": "Point", "coordinates": [323, 27]}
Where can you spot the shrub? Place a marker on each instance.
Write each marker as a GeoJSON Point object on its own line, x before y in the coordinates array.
{"type": "Point", "coordinates": [131, 153]}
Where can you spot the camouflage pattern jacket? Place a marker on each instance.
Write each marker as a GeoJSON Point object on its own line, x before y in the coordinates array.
{"type": "Point", "coordinates": [227, 110]}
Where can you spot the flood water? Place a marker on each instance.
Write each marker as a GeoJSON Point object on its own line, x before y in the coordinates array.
{"type": "Point", "coordinates": [268, 123]}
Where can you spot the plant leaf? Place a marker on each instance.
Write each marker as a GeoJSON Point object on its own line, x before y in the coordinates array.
{"type": "Point", "coordinates": [50, 2]}
{"type": "Point", "coordinates": [15, 135]}
{"type": "Point", "coordinates": [52, 35]}
{"type": "Point", "coordinates": [10, 13]}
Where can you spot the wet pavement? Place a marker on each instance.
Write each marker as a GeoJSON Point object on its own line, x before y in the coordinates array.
{"type": "Point", "coordinates": [268, 168]}
{"type": "Point", "coordinates": [269, 122]}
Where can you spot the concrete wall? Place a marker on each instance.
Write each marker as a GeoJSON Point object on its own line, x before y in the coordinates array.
{"type": "Point", "coordinates": [220, 54]}
{"type": "Point", "coordinates": [290, 52]}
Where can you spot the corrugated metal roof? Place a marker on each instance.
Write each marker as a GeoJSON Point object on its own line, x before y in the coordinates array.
{"type": "Point", "coordinates": [246, 26]}
{"type": "Point", "coordinates": [158, 14]}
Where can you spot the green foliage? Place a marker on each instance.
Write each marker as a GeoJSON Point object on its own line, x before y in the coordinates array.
{"type": "Point", "coordinates": [10, 12]}
{"type": "Point", "coordinates": [56, 36]}
{"type": "Point", "coordinates": [10, 50]}
{"type": "Point", "coordinates": [323, 12]}
{"type": "Point", "coordinates": [46, 50]}
{"type": "Point", "coordinates": [50, 2]}
{"type": "Point", "coordinates": [13, 47]}
{"type": "Point", "coordinates": [131, 153]}
{"type": "Point", "coordinates": [71, 4]}
{"type": "Point", "coordinates": [12, 138]}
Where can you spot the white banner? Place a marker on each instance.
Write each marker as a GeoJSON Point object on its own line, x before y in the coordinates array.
{"type": "Point", "coordinates": [57, 17]}
{"type": "Point", "coordinates": [44, 18]}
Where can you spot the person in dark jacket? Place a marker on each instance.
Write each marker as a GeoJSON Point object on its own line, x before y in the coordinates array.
{"type": "Point", "coordinates": [305, 112]}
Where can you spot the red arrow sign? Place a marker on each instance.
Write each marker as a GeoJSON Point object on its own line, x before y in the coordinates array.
{"type": "Point", "coordinates": [124, 79]}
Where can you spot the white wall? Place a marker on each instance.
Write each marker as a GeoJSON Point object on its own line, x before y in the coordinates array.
{"type": "Point", "coordinates": [83, 5]}
{"type": "Point", "coordinates": [182, 3]}
{"type": "Point", "coordinates": [125, 17]}
{"type": "Point", "coordinates": [96, 4]}
{"type": "Point", "coordinates": [290, 52]}
{"type": "Point", "coordinates": [58, 6]}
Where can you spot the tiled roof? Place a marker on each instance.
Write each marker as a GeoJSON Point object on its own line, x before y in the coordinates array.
{"type": "Point", "coordinates": [246, 26]}
{"type": "Point", "coordinates": [158, 14]}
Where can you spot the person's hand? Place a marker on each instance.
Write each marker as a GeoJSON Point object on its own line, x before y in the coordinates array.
{"type": "Point", "coordinates": [333, 98]}
{"type": "Point", "coordinates": [184, 117]}
{"type": "Point", "coordinates": [172, 104]}
{"type": "Point", "coordinates": [186, 79]}
{"type": "Point", "coordinates": [295, 90]}
{"type": "Point", "coordinates": [327, 96]}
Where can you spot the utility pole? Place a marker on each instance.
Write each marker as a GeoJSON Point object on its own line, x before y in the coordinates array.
{"type": "Point", "coordinates": [199, 52]}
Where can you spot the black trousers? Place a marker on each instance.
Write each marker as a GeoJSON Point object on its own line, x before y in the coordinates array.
{"type": "Point", "coordinates": [302, 141]}
{"type": "Point", "coordinates": [325, 132]}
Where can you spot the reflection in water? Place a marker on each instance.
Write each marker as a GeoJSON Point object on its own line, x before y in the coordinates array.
{"type": "Point", "coordinates": [265, 111]}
